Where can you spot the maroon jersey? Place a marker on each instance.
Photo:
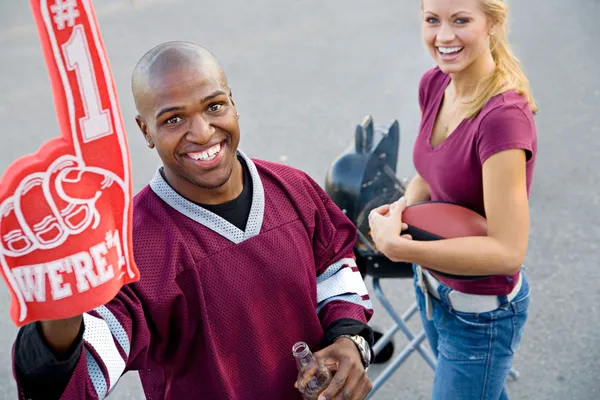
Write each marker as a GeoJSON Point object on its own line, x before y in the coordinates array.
{"type": "Point", "coordinates": [218, 309]}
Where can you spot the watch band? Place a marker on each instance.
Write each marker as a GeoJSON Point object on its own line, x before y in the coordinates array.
{"type": "Point", "coordinates": [363, 348]}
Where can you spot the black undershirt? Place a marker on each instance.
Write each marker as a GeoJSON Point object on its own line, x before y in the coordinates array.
{"type": "Point", "coordinates": [43, 376]}
{"type": "Point", "coordinates": [237, 210]}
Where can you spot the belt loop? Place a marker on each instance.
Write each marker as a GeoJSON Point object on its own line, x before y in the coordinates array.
{"type": "Point", "coordinates": [444, 293]}
{"type": "Point", "coordinates": [504, 303]}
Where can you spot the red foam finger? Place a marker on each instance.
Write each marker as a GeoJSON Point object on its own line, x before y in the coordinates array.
{"type": "Point", "coordinates": [13, 241]}
{"type": "Point", "coordinates": [84, 93]}
{"type": "Point", "coordinates": [66, 211]}
{"type": "Point", "coordinates": [72, 206]}
{"type": "Point", "coordinates": [82, 184]}
{"type": "Point", "coordinates": [43, 226]}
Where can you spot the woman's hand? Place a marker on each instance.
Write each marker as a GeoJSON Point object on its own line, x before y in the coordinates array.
{"type": "Point", "coordinates": [386, 224]}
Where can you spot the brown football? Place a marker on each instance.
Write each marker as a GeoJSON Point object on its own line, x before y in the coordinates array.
{"type": "Point", "coordinates": [434, 220]}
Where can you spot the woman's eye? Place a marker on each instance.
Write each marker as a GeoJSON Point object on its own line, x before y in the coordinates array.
{"type": "Point", "coordinates": [461, 21]}
{"type": "Point", "coordinates": [173, 120]}
{"type": "Point", "coordinates": [431, 20]}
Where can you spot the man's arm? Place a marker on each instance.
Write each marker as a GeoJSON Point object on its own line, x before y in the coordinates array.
{"type": "Point", "coordinates": [344, 305]}
{"type": "Point", "coordinates": [44, 373]}
{"type": "Point", "coordinates": [343, 302]}
{"type": "Point", "coordinates": [348, 326]}
{"type": "Point", "coordinates": [49, 362]}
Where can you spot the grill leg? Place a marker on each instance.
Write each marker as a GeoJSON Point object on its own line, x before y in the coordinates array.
{"type": "Point", "coordinates": [400, 323]}
{"type": "Point", "coordinates": [414, 344]}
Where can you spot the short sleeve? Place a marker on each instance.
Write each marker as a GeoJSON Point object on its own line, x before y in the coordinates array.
{"type": "Point", "coordinates": [427, 84]}
{"type": "Point", "coordinates": [422, 84]}
{"type": "Point", "coordinates": [505, 128]}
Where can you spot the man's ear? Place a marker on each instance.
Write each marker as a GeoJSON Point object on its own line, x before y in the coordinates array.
{"type": "Point", "coordinates": [231, 96]}
{"type": "Point", "coordinates": [144, 129]}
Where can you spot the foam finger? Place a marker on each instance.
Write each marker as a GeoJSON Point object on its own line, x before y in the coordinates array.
{"type": "Point", "coordinates": [36, 214]}
{"type": "Point", "coordinates": [13, 239]}
{"type": "Point", "coordinates": [84, 92]}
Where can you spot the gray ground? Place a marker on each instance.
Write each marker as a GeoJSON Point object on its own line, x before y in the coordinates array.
{"type": "Point", "coordinates": [304, 73]}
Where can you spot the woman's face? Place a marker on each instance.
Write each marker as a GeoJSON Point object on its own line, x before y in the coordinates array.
{"type": "Point", "coordinates": [456, 32]}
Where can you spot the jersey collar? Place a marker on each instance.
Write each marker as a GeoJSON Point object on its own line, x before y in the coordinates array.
{"type": "Point", "coordinates": [210, 219]}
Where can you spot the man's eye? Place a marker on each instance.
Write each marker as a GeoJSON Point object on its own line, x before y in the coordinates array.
{"type": "Point", "coordinates": [173, 120]}
{"type": "Point", "coordinates": [215, 107]}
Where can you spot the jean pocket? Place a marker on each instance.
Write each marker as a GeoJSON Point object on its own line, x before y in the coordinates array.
{"type": "Point", "coordinates": [483, 319]}
{"type": "Point", "coordinates": [463, 337]}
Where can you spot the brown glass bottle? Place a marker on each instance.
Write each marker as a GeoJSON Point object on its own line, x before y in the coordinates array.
{"type": "Point", "coordinates": [314, 377]}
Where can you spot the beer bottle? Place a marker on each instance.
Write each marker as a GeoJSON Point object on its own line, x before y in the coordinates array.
{"type": "Point", "coordinates": [314, 377]}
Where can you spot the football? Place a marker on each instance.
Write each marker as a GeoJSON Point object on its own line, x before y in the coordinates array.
{"type": "Point", "coordinates": [435, 220]}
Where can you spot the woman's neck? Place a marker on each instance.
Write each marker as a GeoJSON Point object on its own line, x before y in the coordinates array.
{"type": "Point", "coordinates": [464, 85]}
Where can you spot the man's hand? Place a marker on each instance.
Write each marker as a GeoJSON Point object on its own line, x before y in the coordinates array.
{"type": "Point", "coordinates": [350, 381]}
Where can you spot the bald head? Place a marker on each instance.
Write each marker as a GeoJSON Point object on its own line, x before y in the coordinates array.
{"type": "Point", "coordinates": [186, 108]}
{"type": "Point", "coordinates": [165, 58]}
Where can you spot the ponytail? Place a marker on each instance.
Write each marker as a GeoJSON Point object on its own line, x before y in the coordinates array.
{"type": "Point", "coordinates": [508, 74]}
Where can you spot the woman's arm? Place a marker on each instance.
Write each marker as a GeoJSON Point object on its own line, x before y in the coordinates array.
{"type": "Point", "coordinates": [417, 190]}
{"type": "Point", "coordinates": [507, 210]}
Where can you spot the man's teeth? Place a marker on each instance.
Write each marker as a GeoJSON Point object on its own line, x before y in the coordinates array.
{"type": "Point", "coordinates": [449, 50]}
{"type": "Point", "coordinates": [208, 154]}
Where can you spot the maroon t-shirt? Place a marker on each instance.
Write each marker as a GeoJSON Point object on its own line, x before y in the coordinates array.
{"type": "Point", "coordinates": [453, 169]}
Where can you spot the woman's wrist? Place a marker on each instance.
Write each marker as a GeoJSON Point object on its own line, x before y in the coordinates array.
{"type": "Point", "coordinates": [397, 249]}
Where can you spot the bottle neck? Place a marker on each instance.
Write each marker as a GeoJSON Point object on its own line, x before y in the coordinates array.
{"type": "Point", "coordinates": [303, 355]}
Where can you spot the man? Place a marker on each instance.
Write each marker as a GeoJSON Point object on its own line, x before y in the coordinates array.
{"type": "Point", "coordinates": [239, 260]}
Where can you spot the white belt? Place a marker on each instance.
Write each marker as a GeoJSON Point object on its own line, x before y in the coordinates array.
{"type": "Point", "coordinates": [463, 302]}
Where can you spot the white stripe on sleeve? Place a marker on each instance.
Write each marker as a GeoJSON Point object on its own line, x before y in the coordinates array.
{"type": "Point", "coordinates": [115, 328]}
{"type": "Point", "coordinates": [98, 335]}
{"type": "Point", "coordinates": [348, 298]}
{"type": "Point", "coordinates": [335, 267]}
{"type": "Point", "coordinates": [96, 375]}
{"type": "Point", "coordinates": [344, 281]}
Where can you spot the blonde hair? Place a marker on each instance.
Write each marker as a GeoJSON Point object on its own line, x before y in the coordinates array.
{"type": "Point", "coordinates": [508, 74]}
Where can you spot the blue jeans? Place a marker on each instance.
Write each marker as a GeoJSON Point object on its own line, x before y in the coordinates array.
{"type": "Point", "coordinates": [474, 351]}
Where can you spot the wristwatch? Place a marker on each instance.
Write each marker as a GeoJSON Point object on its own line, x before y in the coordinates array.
{"type": "Point", "coordinates": [363, 348]}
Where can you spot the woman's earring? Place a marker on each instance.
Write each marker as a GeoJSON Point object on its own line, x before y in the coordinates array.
{"type": "Point", "coordinates": [237, 115]}
{"type": "Point", "coordinates": [150, 145]}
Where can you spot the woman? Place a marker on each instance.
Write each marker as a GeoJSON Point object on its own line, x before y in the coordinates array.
{"type": "Point", "coordinates": [476, 147]}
